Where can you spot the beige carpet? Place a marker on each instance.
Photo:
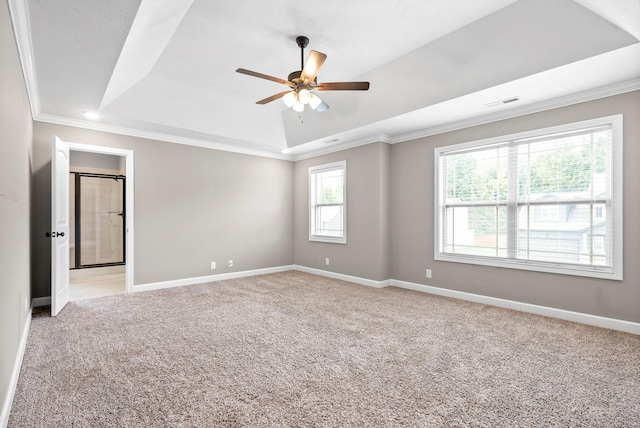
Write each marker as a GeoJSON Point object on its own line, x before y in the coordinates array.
{"type": "Point", "coordinates": [297, 350]}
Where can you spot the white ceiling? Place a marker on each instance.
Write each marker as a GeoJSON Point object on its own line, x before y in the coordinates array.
{"type": "Point", "coordinates": [165, 69]}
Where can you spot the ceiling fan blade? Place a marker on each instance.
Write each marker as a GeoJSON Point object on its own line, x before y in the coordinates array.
{"type": "Point", "coordinates": [312, 66]}
{"type": "Point", "coordinates": [343, 86]}
{"type": "Point", "coordinates": [273, 97]}
{"type": "Point", "coordinates": [264, 76]}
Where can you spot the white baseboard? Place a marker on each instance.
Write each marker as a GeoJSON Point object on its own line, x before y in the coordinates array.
{"type": "Point", "coordinates": [208, 278]}
{"type": "Point", "coordinates": [40, 301]}
{"type": "Point", "coordinates": [334, 275]}
{"type": "Point", "coordinates": [595, 320]}
{"type": "Point", "coordinates": [13, 383]}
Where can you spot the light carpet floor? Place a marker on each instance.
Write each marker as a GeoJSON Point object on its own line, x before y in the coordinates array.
{"type": "Point", "coordinates": [297, 350]}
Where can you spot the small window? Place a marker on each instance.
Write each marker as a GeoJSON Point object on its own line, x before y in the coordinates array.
{"type": "Point", "coordinates": [547, 200]}
{"type": "Point", "coordinates": [327, 200]}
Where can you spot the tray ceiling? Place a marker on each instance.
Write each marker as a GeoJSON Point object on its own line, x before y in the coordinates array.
{"type": "Point", "coordinates": [165, 69]}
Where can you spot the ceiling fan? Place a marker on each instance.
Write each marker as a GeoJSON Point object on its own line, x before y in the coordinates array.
{"type": "Point", "coordinates": [302, 83]}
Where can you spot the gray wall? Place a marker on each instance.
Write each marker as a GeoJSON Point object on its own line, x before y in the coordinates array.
{"type": "Point", "coordinates": [192, 206]}
{"type": "Point", "coordinates": [412, 221]}
{"type": "Point", "coordinates": [96, 161]}
{"type": "Point", "coordinates": [366, 253]}
{"type": "Point", "coordinates": [15, 175]}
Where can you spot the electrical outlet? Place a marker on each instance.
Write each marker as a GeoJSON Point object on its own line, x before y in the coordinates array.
{"type": "Point", "coordinates": [326, 261]}
{"type": "Point", "coordinates": [230, 263]}
{"type": "Point", "coordinates": [428, 273]}
{"type": "Point", "coordinates": [213, 265]}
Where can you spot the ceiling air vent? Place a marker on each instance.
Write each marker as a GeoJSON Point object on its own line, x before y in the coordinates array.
{"type": "Point", "coordinates": [501, 102]}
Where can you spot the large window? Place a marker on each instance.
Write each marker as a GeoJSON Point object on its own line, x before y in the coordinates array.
{"type": "Point", "coordinates": [327, 198]}
{"type": "Point", "coordinates": [548, 200]}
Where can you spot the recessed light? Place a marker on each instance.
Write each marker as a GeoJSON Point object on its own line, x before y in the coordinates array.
{"type": "Point", "coordinates": [91, 115]}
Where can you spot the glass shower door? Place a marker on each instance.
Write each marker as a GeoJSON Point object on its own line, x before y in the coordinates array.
{"type": "Point", "coordinates": [99, 220]}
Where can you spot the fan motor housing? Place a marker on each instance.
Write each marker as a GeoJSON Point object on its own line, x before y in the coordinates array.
{"type": "Point", "coordinates": [296, 75]}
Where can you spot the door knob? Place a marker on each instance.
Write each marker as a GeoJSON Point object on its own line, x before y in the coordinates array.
{"type": "Point", "coordinates": [59, 233]}
{"type": "Point", "coordinates": [54, 234]}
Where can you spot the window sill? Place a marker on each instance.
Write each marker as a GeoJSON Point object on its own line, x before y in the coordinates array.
{"type": "Point", "coordinates": [329, 239]}
{"type": "Point", "coordinates": [614, 274]}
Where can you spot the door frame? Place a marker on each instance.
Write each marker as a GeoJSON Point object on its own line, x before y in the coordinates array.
{"type": "Point", "coordinates": [129, 174]}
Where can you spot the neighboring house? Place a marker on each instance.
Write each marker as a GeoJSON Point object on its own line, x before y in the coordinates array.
{"type": "Point", "coordinates": [571, 228]}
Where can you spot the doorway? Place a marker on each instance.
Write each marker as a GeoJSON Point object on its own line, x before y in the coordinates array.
{"type": "Point", "coordinates": [97, 214]}
{"type": "Point", "coordinates": [100, 214]}
{"type": "Point", "coordinates": [60, 169]}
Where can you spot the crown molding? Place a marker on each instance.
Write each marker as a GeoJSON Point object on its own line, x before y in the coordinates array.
{"type": "Point", "coordinates": [572, 99]}
{"type": "Point", "coordinates": [377, 138]}
{"type": "Point", "coordinates": [95, 126]}
{"type": "Point", "coordinates": [19, 13]}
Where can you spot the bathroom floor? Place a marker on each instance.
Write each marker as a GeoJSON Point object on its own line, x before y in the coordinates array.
{"type": "Point", "coordinates": [107, 284]}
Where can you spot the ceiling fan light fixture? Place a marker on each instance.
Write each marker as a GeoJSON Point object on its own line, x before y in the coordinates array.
{"type": "Point", "coordinates": [290, 99]}
{"type": "Point", "coordinates": [304, 95]}
{"type": "Point", "coordinates": [299, 107]}
{"type": "Point", "coordinates": [314, 100]}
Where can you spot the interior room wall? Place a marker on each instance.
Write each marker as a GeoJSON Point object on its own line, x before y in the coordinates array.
{"type": "Point", "coordinates": [94, 162]}
{"type": "Point", "coordinates": [192, 206]}
{"type": "Point", "coordinates": [15, 205]}
{"type": "Point", "coordinates": [365, 253]}
{"type": "Point", "coordinates": [411, 199]}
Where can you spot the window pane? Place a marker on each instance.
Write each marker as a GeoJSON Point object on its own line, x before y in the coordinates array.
{"type": "Point", "coordinates": [563, 233]}
{"type": "Point", "coordinates": [329, 187]}
{"type": "Point", "coordinates": [477, 176]}
{"type": "Point", "coordinates": [329, 220]}
{"type": "Point", "coordinates": [479, 231]}
{"type": "Point", "coordinates": [569, 168]}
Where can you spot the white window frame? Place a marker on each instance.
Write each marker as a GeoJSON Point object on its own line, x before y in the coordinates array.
{"type": "Point", "coordinates": [614, 272]}
{"type": "Point", "coordinates": [313, 171]}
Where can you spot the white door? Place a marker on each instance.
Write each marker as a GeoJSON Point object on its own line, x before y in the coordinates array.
{"type": "Point", "coordinates": [59, 226]}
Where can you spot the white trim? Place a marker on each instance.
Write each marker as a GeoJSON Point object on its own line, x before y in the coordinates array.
{"type": "Point", "coordinates": [129, 202]}
{"type": "Point", "coordinates": [158, 136]}
{"type": "Point", "coordinates": [349, 278]}
{"type": "Point", "coordinates": [36, 302]}
{"type": "Point", "coordinates": [313, 171]}
{"type": "Point", "coordinates": [22, 29]}
{"type": "Point", "coordinates": [579, 317]}
{"type": "Point", "coordinates": [15, 373]}
{"type": "Point", "coordinates": [209, 278]}
{"type": "Point", "coordinates": [568, 100]}
{"type": "Point", "coordinates": [376, 138]}
{"type": "Point", "coordinates": [615, 272]}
